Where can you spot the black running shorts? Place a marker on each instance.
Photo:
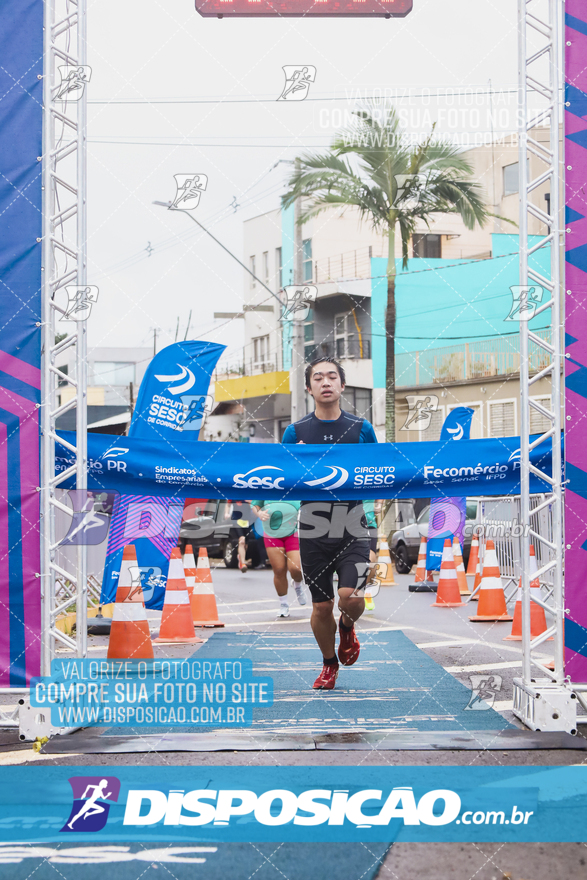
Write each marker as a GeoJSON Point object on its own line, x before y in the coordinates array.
{"type": "Point", "coordinates": [321, 557]}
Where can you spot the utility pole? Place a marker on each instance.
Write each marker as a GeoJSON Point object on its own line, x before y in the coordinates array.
{"type": "Point", "coordinates": [296, 376]}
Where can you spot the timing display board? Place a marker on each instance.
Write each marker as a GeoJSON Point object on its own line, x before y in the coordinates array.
{"type": "Point", "coordinates": [281, 8]}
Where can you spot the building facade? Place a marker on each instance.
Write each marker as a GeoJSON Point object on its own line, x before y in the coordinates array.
{"type": "Point", "coordinates": [455, 343]}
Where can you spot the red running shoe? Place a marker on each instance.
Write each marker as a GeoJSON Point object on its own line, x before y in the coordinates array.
{"type": "Point", "coordinates": [349, 647]}
{"type": "Point", "coordinates": [327, 678]}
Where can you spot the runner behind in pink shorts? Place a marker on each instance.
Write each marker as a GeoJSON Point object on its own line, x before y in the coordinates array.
{"type": "Point", "coordinates": [280, 526]}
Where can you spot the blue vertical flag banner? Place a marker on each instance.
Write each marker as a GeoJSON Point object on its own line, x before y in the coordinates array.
{"type": "Point", "coordinates": [447, 515]}
{"type": "Point", "coordinates": [21, 105]}
{"type": "Point", "coordinates": [170, 406]}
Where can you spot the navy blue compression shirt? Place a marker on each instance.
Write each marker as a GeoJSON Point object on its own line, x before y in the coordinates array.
{"type": "Point", "coordinates": [345, 429]}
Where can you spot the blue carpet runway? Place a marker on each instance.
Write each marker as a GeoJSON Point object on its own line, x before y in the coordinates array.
{"type": "Point", "coordinates": [237, 861]}
{"type": "Point", "coordinates": [393, 686]}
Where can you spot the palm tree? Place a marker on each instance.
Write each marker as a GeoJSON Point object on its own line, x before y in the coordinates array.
{"type": "Point", "coordinates": [393, 185]}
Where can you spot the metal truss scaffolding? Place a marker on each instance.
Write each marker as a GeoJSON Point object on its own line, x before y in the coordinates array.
{"type": "Point", "coordinates": [543, 699]}
{"type": "Point", "coordinates": [64, 265]}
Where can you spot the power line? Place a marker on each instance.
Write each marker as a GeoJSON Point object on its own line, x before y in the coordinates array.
{"type": "Point", "coordinates": [407, 93]}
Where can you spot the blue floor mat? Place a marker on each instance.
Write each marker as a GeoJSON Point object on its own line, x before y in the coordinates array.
{"type": "Point", "coordinates": [393, 686]}
{"type": "Point", "coordinates": [237, 861]}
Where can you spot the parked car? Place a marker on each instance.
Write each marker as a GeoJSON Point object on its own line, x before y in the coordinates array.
{"type": "Point", "coordinates": [405, 543]}
{"type": "Point", "coordinates": [213, 524]}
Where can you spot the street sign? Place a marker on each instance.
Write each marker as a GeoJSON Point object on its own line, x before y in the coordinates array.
{"type": "Point", "coordinates": [283, 8]}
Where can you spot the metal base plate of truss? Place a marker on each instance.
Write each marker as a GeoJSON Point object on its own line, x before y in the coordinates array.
{"type": "Point", "coordinates": [35, 723]}
{"type": "Point", "coordinates": [543, 705]}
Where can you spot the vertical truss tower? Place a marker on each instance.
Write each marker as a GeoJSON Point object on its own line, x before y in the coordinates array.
{"type": "Point", "coordinates": [64, 265]}
{"type": "Point", "coordinates": [543, 698]}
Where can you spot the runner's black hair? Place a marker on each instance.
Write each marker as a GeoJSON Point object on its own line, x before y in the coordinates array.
{"type": "Point", "coordinates": [324, 360]}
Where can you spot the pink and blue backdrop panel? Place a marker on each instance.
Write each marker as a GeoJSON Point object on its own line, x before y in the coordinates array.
{"type": "Point", "coordinates": [21, 99]}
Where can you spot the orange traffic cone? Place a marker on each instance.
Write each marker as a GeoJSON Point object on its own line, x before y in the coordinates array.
{"type": "Point", "coordinates": [129, 587]}
{"type": "Point", "coordinates": [491, 595]}
{"type": "Point", "coordinates": [176, 621]}
{"type": "Point", "coordinates": [477, 581]}
{"type": "Point", "coordinates": [473, 556]}
{"type": "Point", "coordinates": [203, 600]}
{"type": "Point", "coordinates": [130, 638]}
{"type": "Point", "coordinates": [189, 568]}
{"type": "Point", "coordinates": [460, 567]}
{"type": "Point", "coordinates": [537, 615]}
{"type": "Point", "coordinates": [448, 595]}
{"type": "Point", "coordinates": [384, 566]}
{"type": "Point", "coordinates": [424, 580]}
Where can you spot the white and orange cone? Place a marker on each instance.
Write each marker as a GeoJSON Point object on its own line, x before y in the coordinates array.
{"type": "Point", "coordinates": [129, 587]}
{"type": "Point", "coordinates": [473, 556]}
{"type": "Point", "coordinates": [537, 615]}
{"type": "Point", "coordinates": [203, 600]}
{"type": "Point", "coordinates": [477, 581]}
{"type": "Point", "coordinates": [460, 567]}
{"type": "Point", "coordinates": [384, 566]}
{"type": "Point", "coordinates": [492, 605]}
{"type": "Point", "coordinates": [189, 568]}
{"type": "Point", "coordinates": [130, 638]}
{"type": "Point", "coordinates": [424, 580]}
{"type": "Point", "coordinates": [176, 620]}
{"type": "Point", "coordinates": [448, 595]}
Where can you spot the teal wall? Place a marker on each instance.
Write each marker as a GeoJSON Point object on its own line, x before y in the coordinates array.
{"type": "Point", "coordinates": [287, 262]}
{"type": "Point", "coordinates": [464, 303]}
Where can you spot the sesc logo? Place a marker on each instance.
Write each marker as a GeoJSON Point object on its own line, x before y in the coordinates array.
{"type": "Point", "coordinates": [184, 373]}
{"type": "Point", "coordinates": [336, 478]}
{"type": "Point", "coordinates": [254, 480]}
{"type": "Point", "coordinates": [90, 808]}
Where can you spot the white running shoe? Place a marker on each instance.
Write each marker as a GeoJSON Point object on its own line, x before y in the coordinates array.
{"type": "Point", "coordinates": [299, 588]}
{"type": "Point", "coordinates": [283, 610]}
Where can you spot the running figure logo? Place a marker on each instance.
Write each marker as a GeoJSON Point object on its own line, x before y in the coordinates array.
{"type": "Point", "coordinates": [189, 189]}
{"type": "Point", "coordinates": [420, 411]}
{"type": "Point", "coordinates": [73, 82]}
{"type": "Point", "coordinates": [525, 301]}
{"type": "Point", "coordinates": [297, 82]}
{"type": "Point", "coordinates": [195, 409]}
{"type": "Point", "coordinates": [484, 689]}
{"type": "Point", "coordinates": [90, 519]}
{"type": "Point", "coordinates": [299, 299]}
{"type": "Point", "coordinates": [90, 808]}
{"type": "Point", "coordinates": [80, 298]}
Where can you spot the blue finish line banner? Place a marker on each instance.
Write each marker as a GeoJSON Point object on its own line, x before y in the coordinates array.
{"type": "Point", "coordinates": [300, 804]}
{"type": "Point", "coordinates": [306, 472]}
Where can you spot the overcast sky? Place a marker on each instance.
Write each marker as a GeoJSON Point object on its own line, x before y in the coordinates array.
{"type": "Point", "coordinates": [172, 92]}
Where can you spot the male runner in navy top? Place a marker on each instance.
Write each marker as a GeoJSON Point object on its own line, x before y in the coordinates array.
{"type": "Point", "coordinates": [322, 554]}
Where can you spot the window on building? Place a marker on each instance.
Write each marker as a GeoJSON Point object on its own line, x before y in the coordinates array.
{"type": "Point", "coordinates": [113, 373]}
{"type": "Point", "coordinates": [358, 401]}
{"type": "Point", "coordinates": [260, 352]}
{"type": "Point", "coordinates": [539, 423]}
{"type": "Point", "coordinates": [433, 430]}
{"type": "Point", "coordinates": [502, 419]}
{"type": "Point", "coordinates": [252, 265]}
{"type": "Point", "coordinates": [266, 267]}
{"type": "Point", "coordinates": [279, 265]}
{"type": "Point", "coordinates": [511, 178]}
{"type": "Point", "coordinates": [426, 246]}
{"type": "Point", "coordinates": [344, 335]}
{"type": "Point", "coordinates": [307, 256]}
